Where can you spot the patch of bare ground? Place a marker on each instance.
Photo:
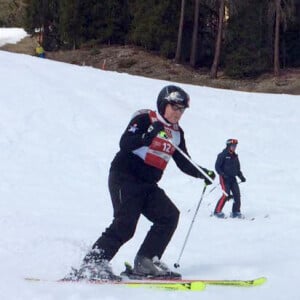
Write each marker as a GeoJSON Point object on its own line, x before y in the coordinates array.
{"type": "Point", "coordinates": [137, 61]}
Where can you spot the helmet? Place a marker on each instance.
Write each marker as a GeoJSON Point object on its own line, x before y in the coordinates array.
{"type": "Point", "coordinates": [230, 142]}
{"type": "Point", "coordinates": [171, 94]}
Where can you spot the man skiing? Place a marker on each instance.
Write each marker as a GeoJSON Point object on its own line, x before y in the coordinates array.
{"type": "Point", "coordinates": [228, 167]}
{"type": "Point", "coordinates": [145, 149]}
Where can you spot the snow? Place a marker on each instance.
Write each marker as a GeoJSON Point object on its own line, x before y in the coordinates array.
{"type": "Point", "coordinates": [60, 126]}
{"type": "Point", "coordinates": [11, 35]}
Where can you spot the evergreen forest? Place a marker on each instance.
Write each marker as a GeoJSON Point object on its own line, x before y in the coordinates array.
{"type": "Point", "coordinates": [243, 37]}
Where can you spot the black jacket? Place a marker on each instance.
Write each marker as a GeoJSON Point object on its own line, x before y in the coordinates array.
{"type": "Point", "coordinates": [228, 164]}
{"type": "Point", "coordinates": [127, 162]}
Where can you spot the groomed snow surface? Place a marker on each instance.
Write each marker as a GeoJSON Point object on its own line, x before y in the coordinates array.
{"type": "Point", "coordinates": [60, 126]}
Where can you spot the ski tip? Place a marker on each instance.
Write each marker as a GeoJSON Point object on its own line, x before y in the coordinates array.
{"type": "Point", "coordinates": [260, 281]}
{"type": "Point", "coordinates": [32, 279]}
{"type": "Point", "coordinates": [238, 283]}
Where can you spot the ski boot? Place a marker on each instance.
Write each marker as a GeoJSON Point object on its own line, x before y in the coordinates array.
{"type": "Point", "coordinates": [237, 215]}
{"type": "Point", "coordinates": [147, 268]}
{"type": "Point", "coordinates": [92, 269]}
{"type": "Point", "coordinates": [219, 215]}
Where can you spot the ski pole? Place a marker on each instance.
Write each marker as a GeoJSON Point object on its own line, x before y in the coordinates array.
{"type": "Point", "coordinates": [212, 189]}
{"type": "Point", "coordinates": [194, 164]}
{"type": "Point", "coordinates": [176, 265]}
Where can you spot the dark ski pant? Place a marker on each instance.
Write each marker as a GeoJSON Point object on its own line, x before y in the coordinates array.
{"type": "Point", "coordinates": [130, 199]}
{"type": "Point", "coordinates": [230, 186]}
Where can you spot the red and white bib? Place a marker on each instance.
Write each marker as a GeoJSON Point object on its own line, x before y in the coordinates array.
{"type": "Point", "coordinates": [161, 150]}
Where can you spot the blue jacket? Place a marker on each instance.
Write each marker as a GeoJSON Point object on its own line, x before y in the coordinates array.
{"type": "Point", "coordinates": [228, 164]}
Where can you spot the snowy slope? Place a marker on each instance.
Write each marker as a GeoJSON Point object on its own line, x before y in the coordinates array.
{"type": "Point", "coordinates": [11, 35]}
{"type": "Point", "coordinates": [60, 126]}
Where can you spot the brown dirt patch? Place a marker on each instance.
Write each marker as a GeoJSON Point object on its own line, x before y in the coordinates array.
{"type": "Point", "coordinates": [136, 61]}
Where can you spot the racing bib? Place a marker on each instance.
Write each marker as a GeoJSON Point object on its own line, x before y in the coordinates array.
{"type": "Point", "coordinates": [161, 150]}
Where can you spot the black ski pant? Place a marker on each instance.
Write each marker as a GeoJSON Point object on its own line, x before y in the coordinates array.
{"type": "Point", "coordinates": [231, 187]}
{"type": "Point", "coordinates": [132, 198]}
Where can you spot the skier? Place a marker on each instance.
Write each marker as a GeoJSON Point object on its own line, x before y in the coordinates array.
{"type": "Point", "coordinates": [39, 50]}
{"type": "Point", "coordinates": [134, 173]}
{"type": "Point", "coordinates": [228, 167]}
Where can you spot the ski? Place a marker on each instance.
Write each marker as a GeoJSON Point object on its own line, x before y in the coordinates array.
{"type": "Point", "coordinates": [237, 282]}
{"type": "Point", "coordinates": [128, 274]}
{"type": "Point", "coordinates": [168, 285]}
{"type": "Point", "coordinates": [175, 285]}
{"type": "Point", "coordinates": [245, 218]}
{"type": "Point", "coordinates": [224, 282]}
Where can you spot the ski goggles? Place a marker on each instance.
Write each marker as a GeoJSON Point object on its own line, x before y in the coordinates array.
{"type": "Point", "coordinates": [176, 107]}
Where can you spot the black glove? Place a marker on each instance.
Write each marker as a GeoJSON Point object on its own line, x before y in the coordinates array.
{"type": "Point", "coordinates": [243, 179]}
{"type": "Point", "coordinates": [152, 132]}
{"type": "Point", "coordinates": [210, 174]}
{"type": "Point", "coordinates": [229, 197]}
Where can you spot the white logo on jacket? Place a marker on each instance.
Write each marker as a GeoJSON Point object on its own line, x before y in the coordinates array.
{"type": "Point", "coordinates": [133, 128]}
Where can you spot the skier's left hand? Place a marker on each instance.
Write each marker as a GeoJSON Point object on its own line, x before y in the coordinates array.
{"type": "Point", "coordinates": [243, 179]}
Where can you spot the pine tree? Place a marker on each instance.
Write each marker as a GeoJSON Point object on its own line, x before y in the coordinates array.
{"type": "Point", "coordinates": [44, 15]}
{"type": "Point", "coordinates": [180, 30]}
{"type": "Point", "coordinates": [154, 25]}
{"type": "Point", "coordinates": [195, 34]}
{"type": "Point", "coordinates": [106, 21]}
{"type": "Point", "coordinates": [291, 39]}
{"type": "Point", "coordinates": [281, 12]}
{"type": "Point", "coordinates": [70, 23]}
{"type": "Point", "coordinates": [246, 41]}
{"type": "Point", "coordinates": [214, 67]}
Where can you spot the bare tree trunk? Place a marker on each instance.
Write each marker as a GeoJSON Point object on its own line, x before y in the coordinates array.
{"type": "Point", "coordinates": [195, 34]}
{"type": "Point", "coordinates": [179, 40]}
{"type": "Point", "coordinates": [277, 38]}
{"type": "Point", "coordinates": [215, 65]}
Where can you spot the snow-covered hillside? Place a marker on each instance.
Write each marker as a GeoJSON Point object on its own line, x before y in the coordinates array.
{"type": "Point", "coordinates": [11, 35]}
{"type": "Point", "coordinates": [60, 126]}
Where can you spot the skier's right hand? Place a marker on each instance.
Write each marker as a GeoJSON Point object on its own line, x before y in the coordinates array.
{"type": "Point", "coordinates": [152, 132]}
{"type": "Point", "coordinates": [210, 174]}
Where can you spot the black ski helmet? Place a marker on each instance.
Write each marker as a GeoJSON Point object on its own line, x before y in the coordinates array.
{"type": "Point", "coordinates": [171, 94]}
{"type": "Point", "coordinates": [230, 142]}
